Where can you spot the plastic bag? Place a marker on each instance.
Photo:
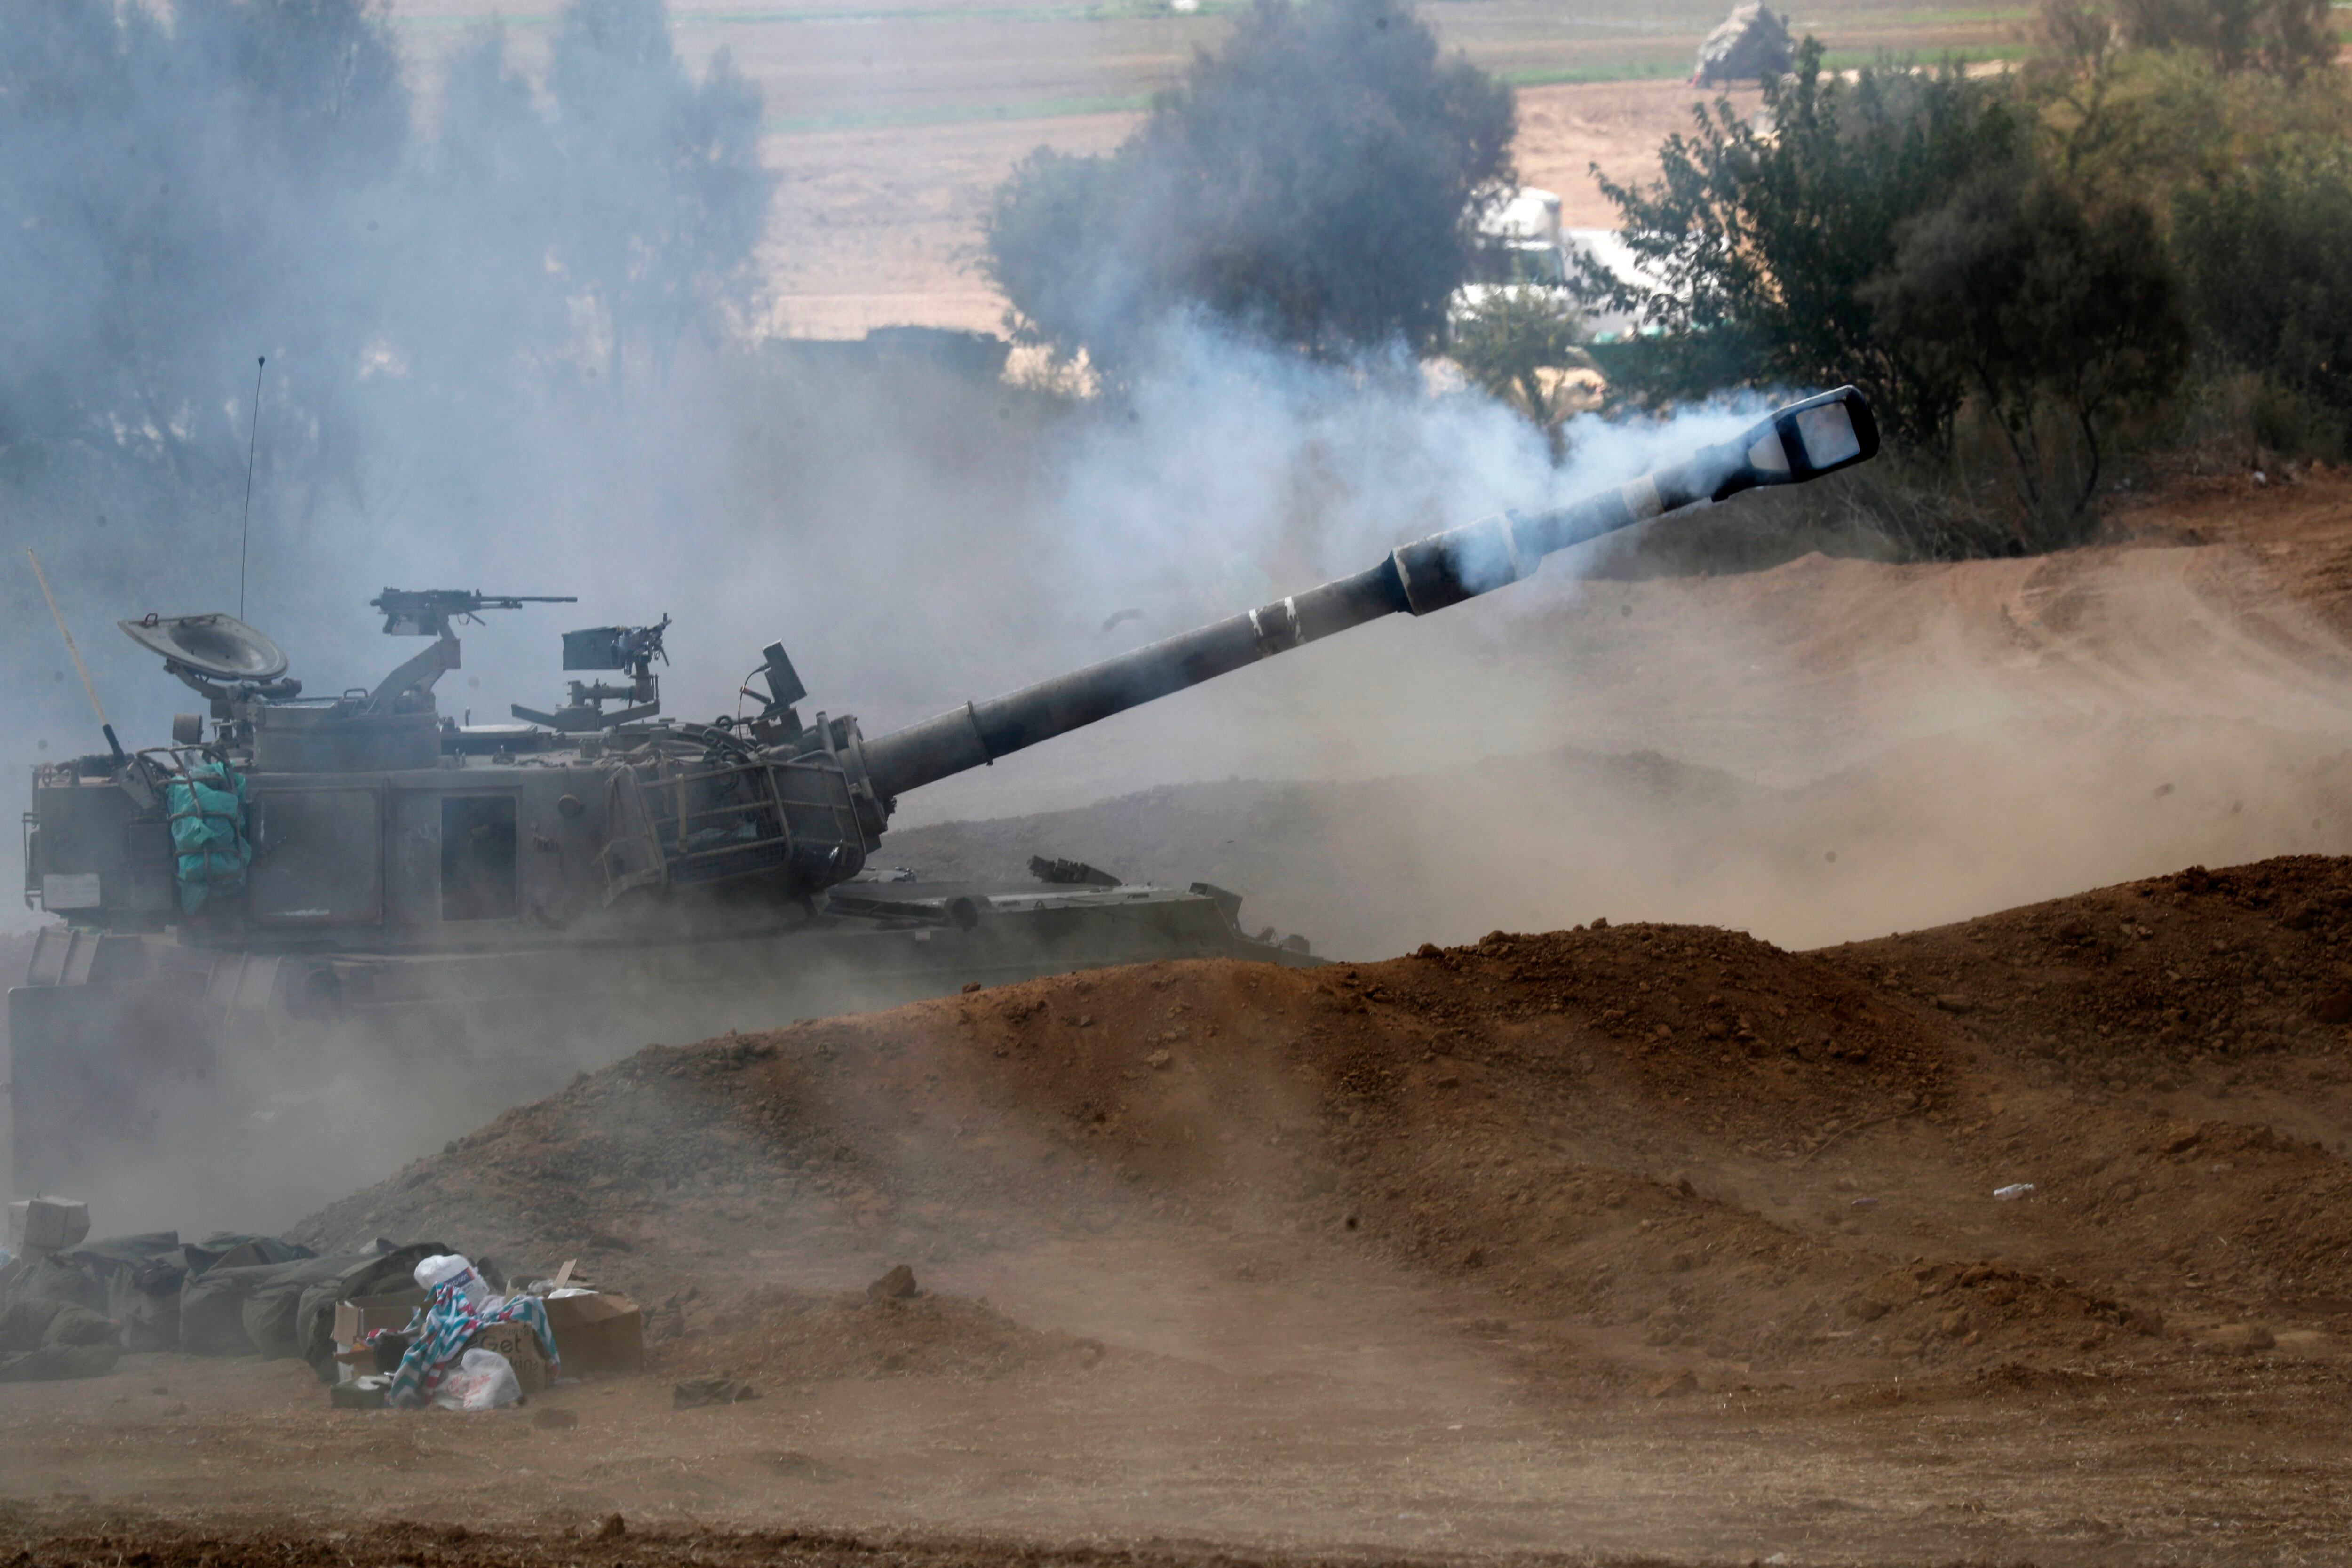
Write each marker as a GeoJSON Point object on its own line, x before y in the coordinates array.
{"type": "Point", "coordinates": [444, 1267]}
{"type": "Point", "coordinates": [484, 1379]}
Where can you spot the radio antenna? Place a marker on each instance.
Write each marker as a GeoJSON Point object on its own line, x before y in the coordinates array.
{"type": "Point", "coordinates": [88, 686]}
{"type": "Point", "coordinates": [244, 532]}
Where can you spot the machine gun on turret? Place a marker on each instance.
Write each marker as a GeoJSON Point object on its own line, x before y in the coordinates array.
{"type": "Point", "coordinates": [427, 611]}
{"type": "Point", "coordinates": [630, 648]}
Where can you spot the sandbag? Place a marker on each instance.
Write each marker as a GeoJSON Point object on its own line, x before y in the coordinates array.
{"type": "Point", "coordinates": [57, 1276]}
{"type": "Point", "coordinates": [212, 1307]}
{"type": "Point", "coordinates": [145, 1300]}
{"type": "Point", "coordinates": [84, 1275]}
{"type": "Point", "coordinates": [139, 1279]}
{"type": "Point", "coordinates": [224, 1272]}
{"type": "Point", "coordinates": [268, 1321]}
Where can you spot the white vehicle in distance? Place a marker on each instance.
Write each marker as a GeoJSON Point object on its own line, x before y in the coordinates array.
{"type": "Point", "coordinates": [1521, 245]}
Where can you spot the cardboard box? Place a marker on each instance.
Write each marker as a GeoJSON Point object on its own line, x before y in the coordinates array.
{"type": "Point", "coordinates": [597, 1332]}
{"type": "Point", "coordinates": [370, 1314]}
{"type": "Point", "coordinates": [367, 1315]}
{"type": "Point", "coordinates": [521, 1347]}
{"type": "Point", "coordinates": [46, 1225]}
{"type": "Point", "coordinates": [357, 1362]}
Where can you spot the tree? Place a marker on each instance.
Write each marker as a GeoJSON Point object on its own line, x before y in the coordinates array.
{"type": "Point", "coordinates": [1763, 241]}
{"type": "Point", "coordinates": [187, 187]}
{"type": "Point", "coordinates": [1515, 344]}
{"type": "Point", "coordinates": [177, 197]}
{"type": "Point", "coordinates": [2285, 37]}
{"type": "Point", "coordinates": [2268, 257]}
{"type": "Point", "coordinates": [2027, 297]}
{"type": "Point", "coordinates": [667, 198]}
{"type": "Point", "coordinates": [1054, 249]}
{"type": "Point", "coordinates": [1307, 183]}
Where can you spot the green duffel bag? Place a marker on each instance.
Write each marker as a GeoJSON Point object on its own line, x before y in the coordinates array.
{"type": "Point", "coordinates": [54, 1364]}
{"type": "Point", "coordinates": [213, 1299]}
{"type": "Point", "coordinates": [255, 1310]}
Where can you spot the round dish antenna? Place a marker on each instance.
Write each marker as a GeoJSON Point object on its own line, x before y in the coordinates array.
{"type": "Point", "coordinates": [220, 647]}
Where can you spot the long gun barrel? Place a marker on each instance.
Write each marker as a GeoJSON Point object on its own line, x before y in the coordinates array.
{"type": "Point", "coordinates": [1797, 443]}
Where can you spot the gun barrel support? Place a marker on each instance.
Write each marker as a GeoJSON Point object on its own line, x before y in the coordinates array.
{"type": "Point", "coordinates": [1797, 443]}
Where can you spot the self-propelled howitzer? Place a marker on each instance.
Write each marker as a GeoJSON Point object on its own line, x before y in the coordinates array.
{"type": "Point", "coordinates": [377, 924]}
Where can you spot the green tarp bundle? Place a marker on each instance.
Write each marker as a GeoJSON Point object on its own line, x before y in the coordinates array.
{"type": "Point", "coordinates": [228, 1294]}
{"type": "Point", "coordinates": [380, 1275]}
{"type": "Point", "coordinates": [133, 1279]}
{"type": "Point", "coordinates": [43, 1341]}
{"type": "Point", "coordinates": [225, 1274]}
{"type": "Point", "coordinates": [288, 1309]}
{"type": "Point", "coordinates": [206, 807]}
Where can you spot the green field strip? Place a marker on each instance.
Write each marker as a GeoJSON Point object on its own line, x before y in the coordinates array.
{"type": "Point", "coordinates": [1914, 18]}
{"type": "Point", "coordinates": [1604, 71]}
{"type": "Point", "coordinates": [959, 114]}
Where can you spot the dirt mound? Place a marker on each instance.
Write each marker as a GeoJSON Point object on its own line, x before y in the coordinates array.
{"type": "Point", "coordinates": [2195, 1027]}
{"type": "Point", "coordinates": [1641, 1147]}
{"type": "Point", "coordinates": [772, 1335]}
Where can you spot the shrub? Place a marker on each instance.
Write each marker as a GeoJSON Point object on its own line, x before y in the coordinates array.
{"type": "Point", "coordinates": [1514, 342]}
{"type": "Point", "coordinates": [1764, 242]}
{"type": "Point", "coordinates": [2031, 301]}
{"type": "Point", "coordinates": [2267, 255]}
